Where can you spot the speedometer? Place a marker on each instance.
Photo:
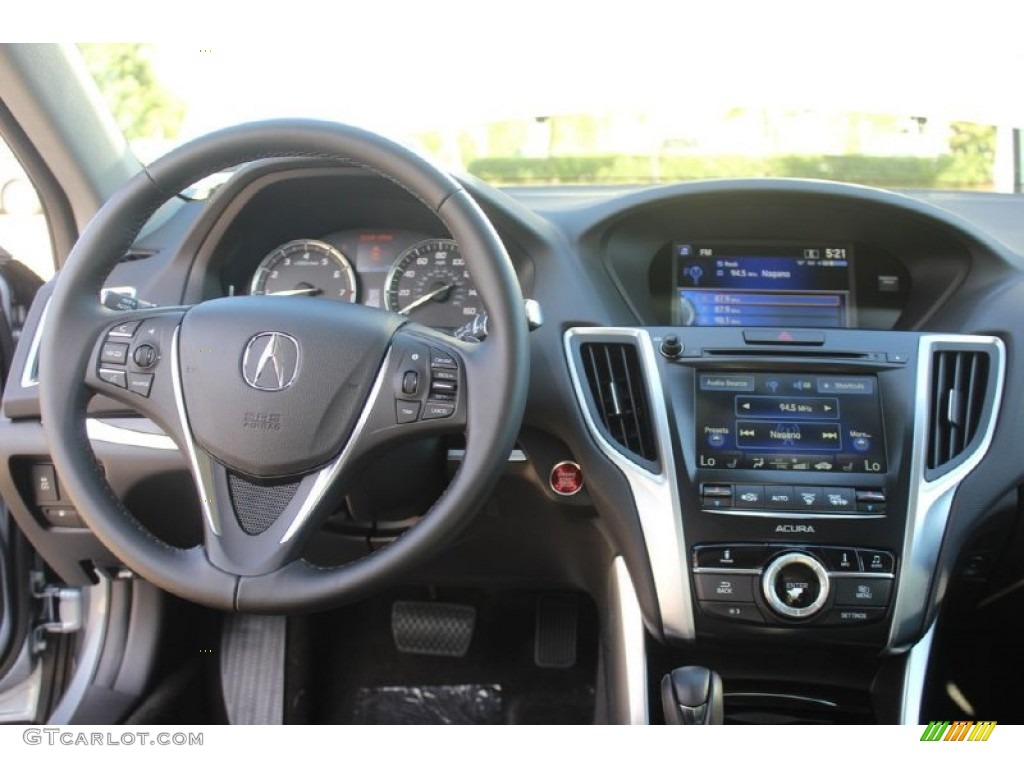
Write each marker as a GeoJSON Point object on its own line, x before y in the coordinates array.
{"type": "Point", "coordinates": [430, 283]}
{"type": "Point", "coordinates": [306, 268]}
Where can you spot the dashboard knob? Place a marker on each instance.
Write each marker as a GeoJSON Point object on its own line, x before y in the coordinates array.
{"type": "Point", "coordinates": [795, 585]}
{"type": "Point", "coordinates": [671, 346]}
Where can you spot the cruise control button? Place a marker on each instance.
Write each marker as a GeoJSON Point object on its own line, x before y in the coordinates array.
{"type": "Point", "coordinates": [839, 617]}
{"type": "Point", "coordinates": [744, 612]}
{"type": "Point", "coordinates": [442, 387]}
{"type": "Point", "coordinates": [749, 497]}
{"type": "Point", "coordinates": [877, 561]}
{"type": "Point", "coordinates": [444, 374]}
{"type": "Point", "coordinates": [115, 353]}
{"type": "Point", "coordinates": [725, 587]}
{"type": "Point", "coordinates": [779, 497]}
{"type": "Point", "coordinates": [441, 359]}
{"type": "Point", "coordinates": [140, 383]}
{"type": "Point", "coordinates": [841, 560]}
{"type": "Point", "coordinates": [438, 410]}
{"type": "Point", "coordinates": [863, 591]}
{"type": "Point", "coordinates": [117, 378]}
{"type": "Point", "coordinates": [406, 411]}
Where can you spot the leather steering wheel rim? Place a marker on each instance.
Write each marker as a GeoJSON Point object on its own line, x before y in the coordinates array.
{"type": "Point", "coordinates": [70, 337]}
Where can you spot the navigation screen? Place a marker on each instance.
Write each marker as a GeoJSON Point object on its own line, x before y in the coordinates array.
{"type": "Point", "coordinates": [788, 421]}
{"type": "Point", "coordinates": [729, 284]}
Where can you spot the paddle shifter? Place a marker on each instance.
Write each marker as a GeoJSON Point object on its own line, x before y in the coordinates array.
{"type": "Point", "coordinates": [692, 696]}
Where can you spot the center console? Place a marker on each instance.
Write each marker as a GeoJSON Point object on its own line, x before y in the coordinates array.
{"type": "Point", "coordinates": [792, 483]}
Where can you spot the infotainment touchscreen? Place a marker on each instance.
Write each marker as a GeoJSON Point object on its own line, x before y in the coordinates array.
{"type": "Point", "coordinates": [787, 421]}
{"type": "Point", "coordinates": [734, 284]}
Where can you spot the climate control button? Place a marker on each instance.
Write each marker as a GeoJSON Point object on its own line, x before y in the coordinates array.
{"type": "Point", "coordinates": [795, 585]}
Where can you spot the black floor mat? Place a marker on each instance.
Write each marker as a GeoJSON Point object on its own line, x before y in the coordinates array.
{"type": "Point", "coordinates": [357, 674]}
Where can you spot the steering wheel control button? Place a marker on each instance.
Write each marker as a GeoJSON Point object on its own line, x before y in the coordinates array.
{"type": "Point", "coordinates": [140, 383]}
{"type": "Point", "coordinates": [795, 585]}
{"type": "Point", "coordinates": [114, 353]}
{"type": "Point", "coordinates": [877, 561]}
{"type": "Point", "coordinates": [115, 377]}
{"type": "Point", "coordinates": [725, 587]}
{"type": "Point", "coordinates": [434, 410]}
{"type": "Point", "coordinates": [566, 478]}
{"type": "Point", "coordinates": [407, 411]}
{"type": "Point", "coordinates": [145, 355]}
{"type": "Point", "coordinates": [441, 359]}
{"type": "Point", "coordinates": [444, 374]}
{"type": "Point", "coordinates": [845, 617]}
{"type": "Point", "coordinates": [740, 556]}
{"type": "Point", "coordinates": [125, 330]}
{"type": "Point", "coordinates": [841, 560]}
{"type": "Point", "coordinates": [863, 591]}
{"type": "Point", "coordinates": [410, 382]}
{"type": "Point", "coordinates": [746, 613]}
{"type": "Point", "coordinates": [749, 497]}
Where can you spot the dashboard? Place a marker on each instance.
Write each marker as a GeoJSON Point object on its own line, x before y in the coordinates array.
{"type": "Point", "coordinates": [786, 399]}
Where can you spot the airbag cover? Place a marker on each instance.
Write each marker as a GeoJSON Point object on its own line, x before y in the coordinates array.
{"type": "Point", "coordinates": [273, 385]}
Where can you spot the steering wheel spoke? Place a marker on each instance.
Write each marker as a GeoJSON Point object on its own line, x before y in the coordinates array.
{"type": "Point", "coordinates": [422, 391]}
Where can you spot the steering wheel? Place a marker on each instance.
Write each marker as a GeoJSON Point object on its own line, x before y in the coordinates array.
{"type": "Point", "coordinates": [273, 399]}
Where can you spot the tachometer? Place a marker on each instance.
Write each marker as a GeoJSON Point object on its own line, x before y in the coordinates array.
{"type": "Point", "coordinates": [430, 283]}
{"type": "Point", "coordinates": [306, 268]}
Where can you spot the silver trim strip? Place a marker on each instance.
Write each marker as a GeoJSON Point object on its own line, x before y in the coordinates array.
{"type": "Point", "coordinates": [930, 501]}
{"type": "Point", "coordinates": [656, 495]}
{"type": "Point", "coordinates": [328, 474]}
{"type": "Point", "coordinates": [105, 432]}
{"type": "Point", "coordinates": [30, 373]}
{"type": "Point", "coordinates": [458, 454]}
{"type": "Point", "coordinates": [914, 676]}
{"type": "Point", "coordinates": [629, 655]}
{"type": "Point", "coordinates": [87, 660]}
{"type": "Point", "coordinates": [831, 574]}
{"type": "Point", "coordinates": [785, 696]}
{"type": "Point", "coordinates": [202, 471]}
{"type": "Point", "coordinates": [792, 515]}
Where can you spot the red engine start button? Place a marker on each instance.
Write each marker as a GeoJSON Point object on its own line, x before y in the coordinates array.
{"type": "Point", "coordinates": [566, 478]}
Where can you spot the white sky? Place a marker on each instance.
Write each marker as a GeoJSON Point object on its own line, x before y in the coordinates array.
{"type": "Point", "coordinates": [435, 63]}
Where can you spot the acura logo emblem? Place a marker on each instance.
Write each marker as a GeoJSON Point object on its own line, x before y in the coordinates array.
{"type": "Point", "coordinates": [271, 361]}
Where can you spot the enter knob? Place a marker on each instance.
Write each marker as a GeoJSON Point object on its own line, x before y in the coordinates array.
{"type": "Point", "coordinates": [795, 585]}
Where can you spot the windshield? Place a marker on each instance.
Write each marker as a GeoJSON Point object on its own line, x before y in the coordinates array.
{"type": "Point", "coordinates": [537, 101]}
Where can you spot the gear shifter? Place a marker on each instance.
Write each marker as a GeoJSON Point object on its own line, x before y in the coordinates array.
{"type": "Point", "coordinates": [692, 696]}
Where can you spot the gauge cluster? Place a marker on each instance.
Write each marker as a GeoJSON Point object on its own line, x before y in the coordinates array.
{"type": "Point", "coordinates": [412, 273]}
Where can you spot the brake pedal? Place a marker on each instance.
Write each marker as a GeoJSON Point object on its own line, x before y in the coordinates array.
{"type": "Point", "coordinates": [432, 629]}
{"type": "Point", "coordinates": [555, 639]}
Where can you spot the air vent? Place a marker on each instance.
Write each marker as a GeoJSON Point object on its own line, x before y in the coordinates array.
{"type": "Point", "coordinates": [959, 384]}
{"type": "Point", "coordinates": [617, 386]}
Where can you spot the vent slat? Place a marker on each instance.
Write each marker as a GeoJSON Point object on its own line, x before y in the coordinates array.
{"type": "Point", "coordinates": [617, 387]}
{"type": "Point", "coordinates": [959, 382]}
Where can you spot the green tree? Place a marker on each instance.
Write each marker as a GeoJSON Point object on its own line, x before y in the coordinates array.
{"type": "Point", "coordinates": [142, 107]}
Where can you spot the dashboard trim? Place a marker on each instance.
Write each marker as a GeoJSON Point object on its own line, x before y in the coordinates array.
{"type": "Point", "coordinates": [930, 501]}
{"type": "Point", "coordinates": [655, 495]}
